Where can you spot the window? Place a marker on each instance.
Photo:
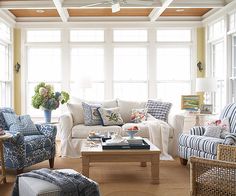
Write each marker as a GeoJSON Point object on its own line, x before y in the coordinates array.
{"type": "Point", "coordinates": [233, 78]}
{"type": "Point", "coordinates": [44, 65]}
{"type": "Point", "coordinates": [130, 73]}
{"type": "Point", "coordinates": [219, 71]}
{"type": "Point", "coordinates": [173, 35]}
{"type": "Point", "coordinates": [130, 35]}
{"type": "Point", "coordinates": [5, 66]}
{"type": "Point", "coordinates": [87, 35]}
{"type": "Point", "coordinates": [43, 36]}
{"type": "Point", "coordinates": [89, 62]}
{"type": "Point", "coordinates": [173, 73]}
{"type": "Point", "coordinates": [232, 21]}
{"type": "Point", "coordinates": [216, 30]}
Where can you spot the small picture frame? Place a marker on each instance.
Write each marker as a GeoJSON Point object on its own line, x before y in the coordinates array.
{"type": "Point", "coordinates": [190, 102]}
{"type": "Point", "coordinates": [206, 109]}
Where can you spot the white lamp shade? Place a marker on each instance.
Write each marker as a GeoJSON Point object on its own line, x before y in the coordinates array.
{"type": "Point", "coordinates": [84, 82]}
{"type": "Point", "coordinates": [206, 84]}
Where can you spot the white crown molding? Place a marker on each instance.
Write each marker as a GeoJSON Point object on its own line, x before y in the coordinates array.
{"type": "Point", "coordinates": [26, 4]}
{"type": "Point", "coordinates": [8, 17]}
{"type": "Point", "coordinates": [198, 4]}
{"type": "Point", "coordinates": [180, 18]}
{"type": "Point", "coordinates": [38, 19]}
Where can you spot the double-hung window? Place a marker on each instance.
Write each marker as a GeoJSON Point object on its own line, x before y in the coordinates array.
{"type": "Point", "coordinates": [5, 66]}
{"type": "Point", "coordinates": [43, 63]}
{"type": "Point", "coordinates": [130, 64]}
{"type": "Point", "coordinates": [174, 58]}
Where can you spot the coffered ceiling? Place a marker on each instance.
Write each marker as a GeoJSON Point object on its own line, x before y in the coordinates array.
{"type": "Point", "coordinates": [70, 10]}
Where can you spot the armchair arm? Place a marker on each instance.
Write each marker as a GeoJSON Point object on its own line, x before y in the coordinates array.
{"type": "Point", "coordinates": [14, 151]}
{"type": "Point", "coordinates": [66, 124]}
{"type": "Point", "coordinates": [230, 139]}
{"type": "Point", "coordinates": [47, 130]}
{"type": "Point", "coordinates": [198, 130]}
{"type": "Point", "coordinates": [212, 176]}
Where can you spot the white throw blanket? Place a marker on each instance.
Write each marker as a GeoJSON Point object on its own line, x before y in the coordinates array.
{"type": "Point", "coordinates": [159, 136]}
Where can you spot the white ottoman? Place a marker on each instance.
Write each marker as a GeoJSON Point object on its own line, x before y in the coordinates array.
{"type": "Point", "coordinates": [35, 187]}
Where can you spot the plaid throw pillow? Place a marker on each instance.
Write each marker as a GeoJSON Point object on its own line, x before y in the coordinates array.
{"type": "Point", "coordinates": [158, 109]}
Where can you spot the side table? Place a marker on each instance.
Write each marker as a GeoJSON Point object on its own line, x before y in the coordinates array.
{"type": "Point", "coordinates": [2, 139]}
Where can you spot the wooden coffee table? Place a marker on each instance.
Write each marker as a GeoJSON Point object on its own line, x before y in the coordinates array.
{"type": "Point", "coordinates": [97, 154]}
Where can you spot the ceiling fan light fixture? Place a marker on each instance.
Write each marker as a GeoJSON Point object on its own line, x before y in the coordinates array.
{"type": "Point", "coordinates": [115, 7]}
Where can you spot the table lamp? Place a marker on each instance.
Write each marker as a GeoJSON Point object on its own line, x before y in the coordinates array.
{"type": "Point", "coordinates": [206, 85]}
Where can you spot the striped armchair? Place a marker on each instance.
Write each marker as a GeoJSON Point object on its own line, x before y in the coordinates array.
{"type": "Point", "coordinates": [196, 144]}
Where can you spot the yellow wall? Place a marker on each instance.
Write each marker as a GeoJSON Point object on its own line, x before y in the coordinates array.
{"type": "Point", "coordinates": [17, 76]}
{"type": "Point", "coordinates": [201, 55]}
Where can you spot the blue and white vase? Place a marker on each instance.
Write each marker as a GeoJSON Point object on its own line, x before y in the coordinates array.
{"type": "Point", "coordinates": [48, 116]}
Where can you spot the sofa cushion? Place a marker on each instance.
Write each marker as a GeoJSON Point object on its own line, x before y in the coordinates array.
{"type": "Point", "coordinates": [77, 112]}
{"type": "Point", "coordinates": [3, 123]}
{"type": "Point", "coordinates": [160, 110]}
{"type": "Point", "coordinates": [22, 124]}
{"type": "Point", "coordinates": [126, 108]}
{"type": "Point", "coordinates": [82, 131]}
{"type": "Point", "coordinates": [110, 116]}
{"type": "Point", "coordinates": [34, 142]}
{"type": "Point", "coordinates": [91, 114]}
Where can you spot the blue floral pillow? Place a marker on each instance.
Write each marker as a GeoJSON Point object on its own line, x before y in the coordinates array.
{"type": "Point", "coordinates": [110, 116]}
{"type": "Point", "coordinates": [3, 123]}
{"type": "Point", "coordinates": [22, 124]}
{"type": "Point", "coordinates": [91, 114]}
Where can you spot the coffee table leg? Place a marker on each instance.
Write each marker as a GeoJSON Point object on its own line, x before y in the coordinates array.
{"type": "Point", "coordinates": [155, 168]}
{"type": "Point", "coordinates": [143, 164]}
{"type": "Point", "coordinates": [85, 166]}
{"type": "Point", "coordinates": [3, 163]}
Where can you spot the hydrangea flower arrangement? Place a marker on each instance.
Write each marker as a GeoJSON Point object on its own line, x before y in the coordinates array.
{"type": "Point", "coordinates": [45, 97]}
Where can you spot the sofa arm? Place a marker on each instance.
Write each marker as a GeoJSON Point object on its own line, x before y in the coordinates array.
{"type": "Point", "coordinates": [14, 151]}
{"type": "Point", "coordinates": [230, 139]}
{"type": "Point", "coordinates": [47, 130]}
{"type": "Point", "coordinates": [176, 121]}
{"type": "Point", "coordinates": [66, 124]}
{"type": "Point", "coordinates": [198, 130]}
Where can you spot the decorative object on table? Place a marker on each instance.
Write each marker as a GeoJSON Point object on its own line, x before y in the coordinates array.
{"type": "Point", "coordinates": [48, 100]}
{"type": "Point", "coordinates": [117, 139]}
{"type": "Point", "coordinates": [138, 115]}
{"type": "Point", "coordinates": [190, 102]}
{"type": "Point", "coordinates": [206, 85]}
{"type": "Point", "coordinates": [206, 109]}
{"type": "Point", "coordinates": [132, 131]}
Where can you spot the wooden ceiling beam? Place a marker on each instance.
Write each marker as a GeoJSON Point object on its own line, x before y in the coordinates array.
{"type": "Point", "coordinates": [61, 11]}
{"type": "Point", "coordinates": [156, 12]}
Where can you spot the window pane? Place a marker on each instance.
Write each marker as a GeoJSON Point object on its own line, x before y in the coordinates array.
{"type": "Point", "coordinates": [172, 92]}
{"type": "Point", "coordinates": [87, 35]}
{"type": "Point", "coordinates": [131, 91]}
{"type": "Point", "coordinates": [44, 64]}
{"type": "Point", "coordinates": [173, 63]}
{"type": "Point", "coordinates": [130, 35]}
{"type": "Point", "coordinates": [87, 62]}
{"type": "Point", "coordinates": [96, 93]}
{"type": "Point", "coordinates": [4, 64]}
{"type": "Point", "coordinates": [5, 32]}
{"type": "Point", "coordinates": [173, 35]}
{"type": "Point", "coordinates": [38, 112]}
{"type": "Point", "coordinates": [216, 30]}
{"type": "Point", "coordinates": [43, 36]}
{"type": "Point", "coordinates": [232, 21]}
{"type": "Point", "coordinates": [130, 64]}
{"type": "Point", "coordinates": [234, 57]}
{"type": "Point", "coordinates": [5, 94]}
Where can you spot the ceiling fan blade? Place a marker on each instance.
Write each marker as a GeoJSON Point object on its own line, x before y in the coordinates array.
{"type": "Point", "coordinates": [99, 4]}
{"type": "Point", "coordinates": [138, 2]}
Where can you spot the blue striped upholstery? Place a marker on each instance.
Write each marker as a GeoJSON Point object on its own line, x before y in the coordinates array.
{"type": "Point", "coordinates": [196, 144]}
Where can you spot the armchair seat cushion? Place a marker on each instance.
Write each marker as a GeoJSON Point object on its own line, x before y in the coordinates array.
{"type": "Point", "coordinates": [34, 142]}
{"type": "Point", "coordinates": [200, 143]}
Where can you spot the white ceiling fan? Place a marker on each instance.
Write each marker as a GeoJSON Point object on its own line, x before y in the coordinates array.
{"type": "Point", "coordinates": [116, 4]}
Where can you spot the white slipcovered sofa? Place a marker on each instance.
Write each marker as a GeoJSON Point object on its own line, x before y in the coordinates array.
{"type": "Point", "coordinates": [73, 130]}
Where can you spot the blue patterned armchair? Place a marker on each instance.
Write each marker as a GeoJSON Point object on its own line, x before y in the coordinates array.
{"type": "Point", "coordinates": [196, 144]}
{"type": "Point", "coordinates": [22, 151]}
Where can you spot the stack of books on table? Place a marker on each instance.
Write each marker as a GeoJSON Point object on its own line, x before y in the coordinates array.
{"type": "Point", "coordinates": [135, 141]}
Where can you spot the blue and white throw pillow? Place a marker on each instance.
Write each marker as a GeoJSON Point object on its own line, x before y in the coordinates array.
{"type": "Point", "coordinates": [3, 123]}
{"type": "Point", "coordinates": [110, 116]}
{"type": "Point", "coordinates": [22, 124]}
{"type": "Point", "coordinates": [91, 114]}
{"type": "Point", "coordinates": [158, 109]}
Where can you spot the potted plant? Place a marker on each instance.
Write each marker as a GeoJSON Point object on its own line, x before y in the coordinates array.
{"type": "Point", "coordinates": [45, 98]}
